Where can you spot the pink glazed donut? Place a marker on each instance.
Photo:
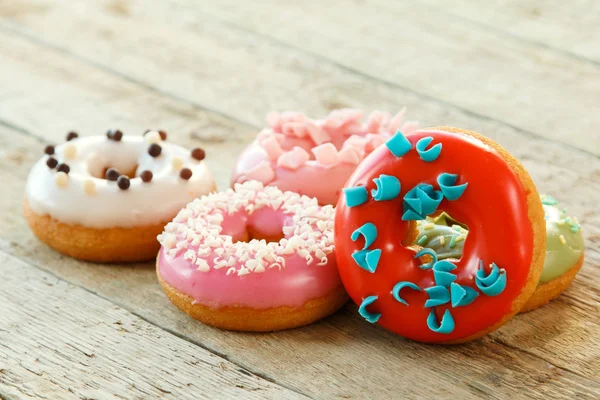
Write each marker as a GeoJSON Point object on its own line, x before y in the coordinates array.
{"type": "Point", "coordinates": [252, 259]}
{"type": "Point", "coordinates": [315, 157]}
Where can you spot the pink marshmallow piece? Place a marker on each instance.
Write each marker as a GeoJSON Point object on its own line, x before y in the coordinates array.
{"type": "Point", "coordinates": [261, 172]}
{"type": "Point", "coordinates": [350, 155]}
{"type": "Point", "coordinates": [374, 141]}
{"type": "Point", "coordinates": [293, 159]}
{"type": "Point", "coordinates": [317, 134]}
{"type": "Point", "coordinates": [410, 127]}
{"type": "Point", "coordinates": [272, 147]}
{"type": "Point", "coordinates": [274, 120]}
{"type": "Point", "coordinates": [356, 141]}
{"type": "Point", "coordinates": [326, 154]}
{"type": "Point", "coordinates": [294, 129]}
{"type": "Point", "coordinates": [396, 121]}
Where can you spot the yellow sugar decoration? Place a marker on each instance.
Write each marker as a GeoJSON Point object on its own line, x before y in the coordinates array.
{"type": "Point", "coordinates": [562, 239]}
{"type": "Point", "coordinates": [442, 240]}
{"type": "Point", "coordinates": [177, 163]}
{"type": "Point", "coordinates": [429, 226]}
{"type": "Point", "coordinates": [460, 238]}
{"type": "Point", "coordinates": [61, 179]}
{"type": "Point", "coordinates": [70, 151]}
{"type": "Point", "coordinates": [89, 187]}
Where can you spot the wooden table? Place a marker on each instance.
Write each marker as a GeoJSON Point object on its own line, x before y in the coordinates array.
{"type": "Point", "coordinates": [524, 72]}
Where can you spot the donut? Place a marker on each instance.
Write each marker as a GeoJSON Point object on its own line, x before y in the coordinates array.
{"type": "Point", "coordinates": [408, 289]}
{"type": "Point", "coordinates": [105, 198]}
{"type": "Point", "coordinates": [564, 248]}
{"type": "Point", "coordinates": [252, 258]}
{"type": "Point", "coordinates": [315, 157]}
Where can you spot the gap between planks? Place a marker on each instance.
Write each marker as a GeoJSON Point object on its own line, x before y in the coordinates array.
{"type": "Point", "coordinates": [13, 29]}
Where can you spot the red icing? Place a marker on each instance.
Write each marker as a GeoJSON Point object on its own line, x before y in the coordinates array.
{"type": "Point", "coordinates": [494, 206]}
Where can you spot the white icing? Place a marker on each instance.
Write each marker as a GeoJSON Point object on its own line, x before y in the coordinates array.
{"type": "Point", "coordinates": [107, 206]}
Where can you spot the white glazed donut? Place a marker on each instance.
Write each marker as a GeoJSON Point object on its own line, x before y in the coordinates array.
{"type": "Point", "coordinates": [105, 198]}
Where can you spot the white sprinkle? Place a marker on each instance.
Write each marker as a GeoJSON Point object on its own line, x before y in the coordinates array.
{"type": "Point", "coordinates": [202, 265]}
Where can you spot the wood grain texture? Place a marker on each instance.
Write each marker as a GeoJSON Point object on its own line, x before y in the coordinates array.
{"type": "Point", "coordinates": [106, 68]}
{"type": "Point", "coordinates": [99, 350]}
{"type": "Point", "coordinates": [573, 29]}
{"type": "Point", "coordinates": [413, 49]}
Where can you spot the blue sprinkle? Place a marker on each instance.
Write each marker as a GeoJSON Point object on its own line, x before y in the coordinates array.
{"type": "Point", "coordinates": [491, 287]}
{"type": "Point", "coordinates": [398, 144]}
{"type": "Point", "coordinates": [420, 201]}
{"type": "Point", "coordinates": [489, 278]}
{"type": "Point", "coordinates": [449, 188]}
{"type": "Point", "coordinates": [429, 252]}
{"type": "Point", "coordinates": [388, 187]}
{"type": "Point", "coordinates": [444, 266]}
{"type": "Point", "coordinates": [412, 216]}
{"type": "Point", "coordinates": [428, 155]}
{"type": "Point", "coordinates": [362, 310]}
{"type": "Point", "coordinates": [401, 285]}
{"type": "Point", "coordinates": [462, 295]}
{"type": "Point", "coordinates": [438, 295]}
{"type": "Point", "coordinates": [443, 278]}
{"type": "Point", "coordinates": [368, 231]}
{"type": "Point", "coordinates": [415, 204]}
{"type": "Point", "coordinates": [446, 326]}
{"type": "Point", "coordinates": [372, 259]}
{"type": "Point", "coordinates": [360, 257]}
{"type": "Point", "coordinates": [430, 199]}
{"type": "Point", "coordinates": [355, 196]}
{"type": "Point", "coordinates": [367, 259]}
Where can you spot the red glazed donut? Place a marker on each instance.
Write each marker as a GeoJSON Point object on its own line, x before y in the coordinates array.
{"type": "Point", "coordinates": [403, 288]}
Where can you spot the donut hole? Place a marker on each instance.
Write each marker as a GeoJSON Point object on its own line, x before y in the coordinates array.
{"type": "Point", "coordinates": [101, 161]}
{"type": "Point", "coordinates": [270, 237]}
{"type": "Point", "coordinates": [443, 234]}
{"type": "Point", "coordinates": [263, 224]}
{"type": "Point", "coordinates": [130, 173]}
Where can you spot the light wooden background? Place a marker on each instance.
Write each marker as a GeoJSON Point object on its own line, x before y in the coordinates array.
{"type": "Point", "coordinates": [524, 72]}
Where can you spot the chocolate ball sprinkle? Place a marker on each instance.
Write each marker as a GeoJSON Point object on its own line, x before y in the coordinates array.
{"type": "Point", "coordinates": [123, 182]}
{"type": "Point", "coordinates": [63, 168]}
{"type": "Point", "coordinates": [198, 154]}
{"type": "Point", "coordinates": [146, 176]}
{"type": "Point", "coordinates": [114, 134]}
{"type": "Point", "coordinates": [154, 150]}
{"type": "Point", "coordinates": [185, 173]}
{"type": "Point", "coordinates": [51, 162]}
{"type": "Point", "coordinates": [112, 174]}
{"type": "Point", "coordinates": [49, 150]}
{"type": "Point", "coordinates": [72, 135]}
{"type": "Point", "coordinates": [163, 134]}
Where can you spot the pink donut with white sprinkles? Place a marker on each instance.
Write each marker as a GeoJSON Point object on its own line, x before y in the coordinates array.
{"type": "Point", "coordinates": [252, 258]}
{"type": "Point", "coordinates": [315, 157]}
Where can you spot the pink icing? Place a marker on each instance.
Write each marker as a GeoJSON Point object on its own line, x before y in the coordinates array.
{"type": "Point", "coordinates": [315, 157]}
{"type": "Point", "coordinates": [202, 257]}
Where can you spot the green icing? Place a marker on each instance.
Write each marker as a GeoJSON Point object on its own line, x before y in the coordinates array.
{"type": "Point", "coordinates": [559, 257]}
{"type": "Point", "coordinates": [446, 227]}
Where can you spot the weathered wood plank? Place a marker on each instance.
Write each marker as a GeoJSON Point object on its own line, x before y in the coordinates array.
{"type": "Point", "coordinates": [345, 355]}
{"type": "Point", "coordinates": [570, 27]}
{"type": "Point", "coordinates": [60, 341]}
{"type": "Point", "coordinates": [421, 53]}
